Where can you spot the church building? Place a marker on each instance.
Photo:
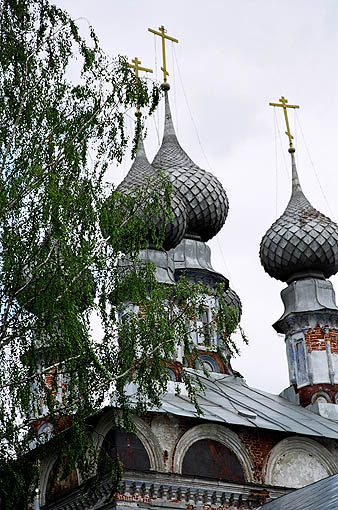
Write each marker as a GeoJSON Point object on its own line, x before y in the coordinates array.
{"type": "Point", "coordinates": [248, 447]}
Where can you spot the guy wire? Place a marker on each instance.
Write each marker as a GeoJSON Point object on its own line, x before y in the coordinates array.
{"type": "Point", "coordinates": [191, 117]}
{"type": "Point", "coordinates": [174, 80]}
{"type": "Point", "coordinates": [276, 160]}
{"type": "Point", "coordinates": [203, 152]}
{"type": "Point", "coordinates": [314, 168]}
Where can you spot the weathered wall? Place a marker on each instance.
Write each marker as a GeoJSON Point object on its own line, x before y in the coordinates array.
{"type": "Point", "coordinates": [269, 459]}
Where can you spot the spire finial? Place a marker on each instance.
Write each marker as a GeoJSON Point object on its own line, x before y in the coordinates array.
{"type": "Point", "coordinates": [284, 105]}
{"type": "Point", "coordinates": [295, 179]}
{"type": "Point", "coordinates": [136, 65]}
{"type": "Point", "coordinates": [162, 34]}
{"type": "Point", "coordinates": [168, 122]}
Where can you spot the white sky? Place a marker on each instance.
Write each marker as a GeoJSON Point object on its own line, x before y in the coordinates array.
{"type": "Point", "coordinates": [234, 57]}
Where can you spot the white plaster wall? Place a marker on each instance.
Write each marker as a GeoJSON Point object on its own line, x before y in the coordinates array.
{"type": "Point", "coordinates": [334, 358]}
{"type": "Point", "coordinates": [167, 431]}
{"type": "Point", "coordinates": [297, 469]}
{"type": "Point", "coordinates": [319, 367]}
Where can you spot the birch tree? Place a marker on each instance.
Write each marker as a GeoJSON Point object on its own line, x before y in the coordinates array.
{"type": "Point", "coordinates": [63, 231]}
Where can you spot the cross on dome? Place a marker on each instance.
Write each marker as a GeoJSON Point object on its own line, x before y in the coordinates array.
{"type": "Point", "coordinates": [138, 68]}
{"type": "Point", "coordinates": [284, 104]}
{"type": "Point", "coordinates": [136, 65]}
{"type": "Point", "coordinates": [162, 34]}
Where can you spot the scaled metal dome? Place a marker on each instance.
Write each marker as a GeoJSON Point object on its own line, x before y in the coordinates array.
{"type": "Point", "coordinates": [141, 173]}
{"type": "Point", "coordinates": [233, 302]}
{"type": "Point", "coordinates": [205, 199]}
{"type": "Point", "coordinates": [302, 242]}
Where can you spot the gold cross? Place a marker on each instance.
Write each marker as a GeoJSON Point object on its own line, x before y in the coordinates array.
{"type": "Point", "coordinates": [162, 34]}
{"type": "Point", "coordinates": [138, 68]}
{"type": "Point", "coordinates": [284, 105]}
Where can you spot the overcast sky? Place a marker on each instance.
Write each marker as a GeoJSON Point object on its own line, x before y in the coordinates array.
{"type": "Point", "coordinates": [233, 58]}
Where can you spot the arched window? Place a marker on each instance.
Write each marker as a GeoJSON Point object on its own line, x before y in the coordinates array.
{"type": "Point", "coordinates": [127, 447]}
{"type": "Point", "coordinates": [207, 362]}
{"type": "Point", "coordinates": [211, 459]}
{"type": "Point", "coordinates": [320, 396]}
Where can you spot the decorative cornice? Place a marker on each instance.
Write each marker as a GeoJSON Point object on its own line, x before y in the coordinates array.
{"type": "Point", "coordinates": [168, 490]}
{"type": "Point", "coordinates": [301, 321]}
{"type": "Point", "coordinates": [204, 276]}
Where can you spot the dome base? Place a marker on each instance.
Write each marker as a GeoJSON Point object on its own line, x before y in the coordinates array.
{"type": "Point", "coordinates": [308, 296]}
{"type": "Point", "coordinates": [309, 273]}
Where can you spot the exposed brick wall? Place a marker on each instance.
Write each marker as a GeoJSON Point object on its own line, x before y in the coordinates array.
{"type": "Point", "coordinates": [60, 422]}
{"type": "Point", "coordinates": [332, 337]}
{"type": "Point", "coordinates": [316, 338]}
{"type": "Point", "coordinates": [259, 442]}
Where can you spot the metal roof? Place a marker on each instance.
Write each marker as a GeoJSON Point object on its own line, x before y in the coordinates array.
{"type": "Point", "coordinates": [322, 495]}
{"type": "Point", "coordinates": [229, 399]}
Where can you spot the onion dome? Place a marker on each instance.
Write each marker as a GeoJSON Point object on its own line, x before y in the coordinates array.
{"type": "Point", "coordinates": [302, 242]}
{"type": "Point", "coordinates": [233, 302]}
{"type": "Point", "coordinates": [205, 199]}
{"type": "Point", "coordinates": [139, 175]}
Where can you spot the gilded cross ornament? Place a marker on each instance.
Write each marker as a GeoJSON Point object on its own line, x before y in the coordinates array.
{"type": "Point", "coordinates": [284, 104]}
{"type": "Point", "coordinates": [136, 65]}
{"type": "Point", "coordinates": [164, 36]}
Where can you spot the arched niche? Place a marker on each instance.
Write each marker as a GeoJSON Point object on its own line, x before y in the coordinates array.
{"type": "Point", "coordinates": [234, 451]}
{"type": "Point", "coordinates": [298, 461]}
{"type": "Point", "coordinates": [58, 486]}
{"type": "Point", "coordinates": [144, 434]}
{"type": "Point", "coordinates": [127, 448]}
{"type": "Point", "coordinates": [49, 492]}
{"type": "Point", "coordinates": [211, 459]}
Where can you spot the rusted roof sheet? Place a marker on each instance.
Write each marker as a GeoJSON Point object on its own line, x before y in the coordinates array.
{"type": "Point", "coordinates": [319, 495]}
{"type": "Point", "coordinates": [229, 399]}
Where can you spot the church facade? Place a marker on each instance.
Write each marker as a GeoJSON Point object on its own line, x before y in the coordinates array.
{"type": "Point", "coordinates": [248, 447]}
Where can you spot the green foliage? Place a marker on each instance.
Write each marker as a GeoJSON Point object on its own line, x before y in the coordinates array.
{"type": "Point", "coordinates": [63, 232]}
